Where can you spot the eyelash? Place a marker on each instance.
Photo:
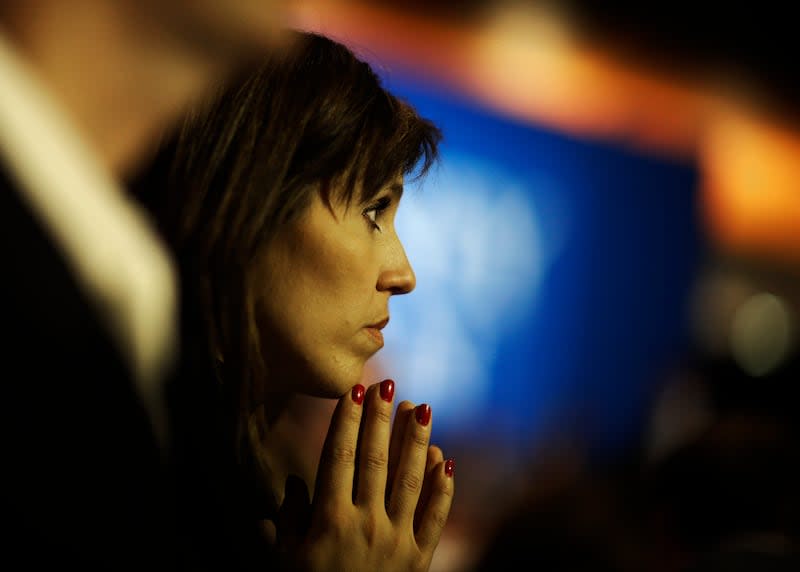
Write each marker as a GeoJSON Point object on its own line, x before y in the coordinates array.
{"type": "Point", "coordinates": [378, 207]}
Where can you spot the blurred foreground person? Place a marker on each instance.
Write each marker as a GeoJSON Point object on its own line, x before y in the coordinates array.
{"type": "Point", "coordinates": [88, 290]}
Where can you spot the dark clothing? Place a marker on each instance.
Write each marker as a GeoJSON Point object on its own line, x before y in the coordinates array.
{"type": "Point", "coordinates": [83, 482]}
{"type": "Point", "coordinates": [219, 500]}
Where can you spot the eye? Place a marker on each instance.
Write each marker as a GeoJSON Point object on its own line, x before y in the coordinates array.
{"type": "Point", "coordinates": [374, 211]}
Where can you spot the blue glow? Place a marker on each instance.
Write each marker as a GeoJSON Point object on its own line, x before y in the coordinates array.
{"type": "Point", "coordinates": [553, 275]}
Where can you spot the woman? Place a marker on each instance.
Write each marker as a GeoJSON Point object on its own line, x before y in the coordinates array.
{"type": "Point", "coordinates": [279, 199]}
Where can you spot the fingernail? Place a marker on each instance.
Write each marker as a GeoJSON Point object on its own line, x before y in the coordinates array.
{"type": "Point", "coordinates": [423, 414]}
{"type": "Point", "coordinates": [449, 467]}
{"type": "Point", "coordinates": [387, 390]}
{"type": "Point", "coordinates": [358, 394]}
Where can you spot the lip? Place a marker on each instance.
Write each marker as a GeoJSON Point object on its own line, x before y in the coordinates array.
{"type": "Point", "coordinates": [379, 325]}
{"type": "Point", "coordinates": [374, 331]}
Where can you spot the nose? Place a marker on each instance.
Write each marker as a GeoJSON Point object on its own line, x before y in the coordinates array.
{"type": "Point", "coordinates": [397, 276]}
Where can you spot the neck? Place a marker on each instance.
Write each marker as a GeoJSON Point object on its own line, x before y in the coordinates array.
{"type": "Point", "coordinates": [271, 441]}
{"type": "Point", "coordinates": [122, 78]}
{"type": "Point", "coordinates": [292, 438]}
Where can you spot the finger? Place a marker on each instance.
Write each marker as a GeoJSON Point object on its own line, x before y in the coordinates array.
{"type": "Point", "coordinates": [407, 483]}
{"type": "Point", "coordinates": [337, 463]}
{"type": "Point", "coordinates": [437, 508]}
{"type": "Point", "coordinates": [435, 456]}
{"type": "Point", "coordinates": [373, 455]}
{"type": "Point", "coordinates": [401, 417]}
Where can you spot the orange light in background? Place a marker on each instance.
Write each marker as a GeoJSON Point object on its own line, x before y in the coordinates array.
{"type": "Point", "coordinates": [525, 63]}
{"type": "Point", "coordinates": [393, 37]}
{"type": "Point", "coordinates": [752, 186]}
{"type": "Point", "coordinates": [528, 64]}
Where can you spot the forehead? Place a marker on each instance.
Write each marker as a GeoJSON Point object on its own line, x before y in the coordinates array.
{"type": "Point", "coordinates": [342, 194]}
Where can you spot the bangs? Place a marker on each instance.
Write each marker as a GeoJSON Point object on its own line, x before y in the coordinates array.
{"type": "Point", "coordinates": [395, 141]}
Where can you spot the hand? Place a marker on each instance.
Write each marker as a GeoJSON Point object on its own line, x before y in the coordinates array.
{"type": "Point", "coordinates": [382, 495]}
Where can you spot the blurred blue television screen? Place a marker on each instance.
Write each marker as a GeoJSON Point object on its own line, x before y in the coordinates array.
{"type": "Point", "coordinates": [553, 275]}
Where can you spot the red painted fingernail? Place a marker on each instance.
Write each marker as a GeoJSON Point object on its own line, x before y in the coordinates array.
{"type": "Point", "coordinates": [387, 390]}
{"type": "Point", "coordinates": [423, 414]}
{"type": "Point", "coordinates": [449, 467]}
{"type": "Point", "coordinates": [358, 394]}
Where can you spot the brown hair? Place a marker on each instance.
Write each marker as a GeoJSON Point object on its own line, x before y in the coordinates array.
{"type": "Point", "coordinates": [250, 161]}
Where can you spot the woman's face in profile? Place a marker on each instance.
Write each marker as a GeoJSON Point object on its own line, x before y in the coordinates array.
{"type": "Point", "coordinates": [325, 297]}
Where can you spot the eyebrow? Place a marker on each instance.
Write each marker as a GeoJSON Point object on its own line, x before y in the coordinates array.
{"type": "Point", "coordinates": [397, 190]}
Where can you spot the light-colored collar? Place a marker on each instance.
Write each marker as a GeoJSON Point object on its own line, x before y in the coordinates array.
{"type": "Point", "coordinates": [105, 237]}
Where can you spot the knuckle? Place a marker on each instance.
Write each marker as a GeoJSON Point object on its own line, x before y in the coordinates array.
{"type": "Point", "coordinates": [419, 440]}
{"type": "Point", "coordinates": [383, 415]}
{"type": "Point", "coordinates": [410, 482]}
{"type": "Point", "coordinates": [439, 518]}
{"type": "Point", "coordinates": [354, 415]}
{"type": "Point", "coordinates": [376, 461]}
{"type": "Point", "coordinates": [341, 455]}
{"type": "Point", "coordinates": [444, 488]}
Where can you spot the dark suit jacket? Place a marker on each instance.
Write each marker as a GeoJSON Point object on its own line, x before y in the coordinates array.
{"type": "Point", "coordinates": [82, 480]}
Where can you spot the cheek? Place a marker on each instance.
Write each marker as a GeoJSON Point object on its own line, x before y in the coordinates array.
{"type": "Point", "coordinates": [339, 269]}
{"type": "Point", "coordinates": [323, 278]}
{"type": "Point", "coordinates": [307, 296]}
{"type": "Point", "coordinates": [336, 293]}
{"type": "Point", "coordinates": [282, 291]}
